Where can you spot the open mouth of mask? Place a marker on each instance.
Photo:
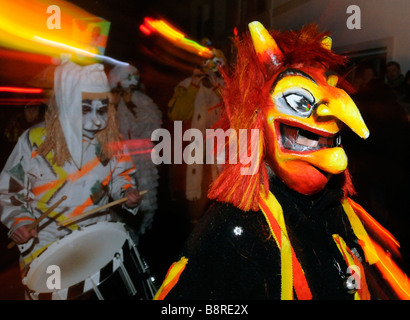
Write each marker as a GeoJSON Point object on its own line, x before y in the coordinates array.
{"type": "Point", "coordinates": [298, 139]}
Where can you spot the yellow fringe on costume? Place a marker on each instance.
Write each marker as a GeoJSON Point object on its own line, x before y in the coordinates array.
{"type": "Point", "coordinates": [291, 270]}
{"type": "Point", "coordinates": [171, 278]}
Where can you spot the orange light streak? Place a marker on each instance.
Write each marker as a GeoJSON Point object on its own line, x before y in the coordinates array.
{"type": "Point", "coordinates": [20, 90]}
{"type": "Point", "coordinates": [25, 56]}
{"type": "Point", "coordinates": [78, 50]}
{"type": "Point", "coordinates": [131, 147]}
{"type": "Point", "coordinates": [21, 19]}
{"type": "Point", "coordinates": [25, 21]}
{"type": "Point", "coordinates": [145, 30]}
{"type": "Point", "coordinates": [178, 38]}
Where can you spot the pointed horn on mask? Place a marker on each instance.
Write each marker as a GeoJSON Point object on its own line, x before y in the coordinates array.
{"type": "Point", "coordinates": [327, 43]}
{"type": "Point", "coordinates": [265, 46]}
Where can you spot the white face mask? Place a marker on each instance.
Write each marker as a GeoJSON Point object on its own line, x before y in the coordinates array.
{"type": "Point", "coordinates": [95, 116]}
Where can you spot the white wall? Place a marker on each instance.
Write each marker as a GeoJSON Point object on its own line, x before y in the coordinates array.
{"type": "Point", "coordinates": [383, 22]}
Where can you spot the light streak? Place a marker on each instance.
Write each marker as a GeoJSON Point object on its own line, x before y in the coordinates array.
{"type": "Point", "coordinates": [132, 147]}
{"type": "Point", "coordinates": [145, 30]}
{"type": "Point", "coordinates": [79, 51]}
{"type": "Point", "coordinates": [178, 38]}
{"type": "Point", "coordinates": [21, 90]}
{"type": "Point", "coordinates": [24, 26]}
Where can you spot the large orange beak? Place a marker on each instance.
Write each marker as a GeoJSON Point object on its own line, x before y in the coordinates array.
{"type": "Point", "coordinates": [342, 107]}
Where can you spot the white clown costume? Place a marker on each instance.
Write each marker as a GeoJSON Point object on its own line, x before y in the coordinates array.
{"type": "Point", "coordinates": [137, 119]}
{"type": "Point", "coordinates": [30, 183]}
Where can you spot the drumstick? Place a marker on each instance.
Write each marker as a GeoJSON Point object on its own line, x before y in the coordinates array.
{"type": "Point", "coordinates": [92, 211]}
{"type": "Point", "coordinates": [36, 222]}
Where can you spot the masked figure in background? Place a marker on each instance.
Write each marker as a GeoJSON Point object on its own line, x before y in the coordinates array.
{"type": "Point", "coordinates": [32, 113]}
{"type": "Point", "coordinates": [287, 229]}
{"type": "Point", "coordinates": [138, 117]}
{"type": "Point", "coordinates": [71, 154]}
{"type": "Point", "coordinates": [196, 102]}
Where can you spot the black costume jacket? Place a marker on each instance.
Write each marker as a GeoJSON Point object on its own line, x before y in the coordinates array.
{"type": "Point", "coordinates": [232, 254]}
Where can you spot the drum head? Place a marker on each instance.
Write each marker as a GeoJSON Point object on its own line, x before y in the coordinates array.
{"type": "Point", "coordinates": [78, 255]}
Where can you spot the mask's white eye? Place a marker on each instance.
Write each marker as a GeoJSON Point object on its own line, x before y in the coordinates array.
{"type": "Point", "coordinates": [296, 101]}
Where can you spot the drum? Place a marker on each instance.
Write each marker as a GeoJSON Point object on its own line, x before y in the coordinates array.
{"type": "Point", "coordinates": [99, 261]}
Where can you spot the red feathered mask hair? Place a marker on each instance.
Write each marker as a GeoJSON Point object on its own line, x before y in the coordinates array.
{"type": "Point", "coordinates": [245, 95]}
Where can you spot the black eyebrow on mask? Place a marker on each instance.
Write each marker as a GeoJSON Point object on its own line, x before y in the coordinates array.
{"type": "Point", "coordinates": [292, 72]}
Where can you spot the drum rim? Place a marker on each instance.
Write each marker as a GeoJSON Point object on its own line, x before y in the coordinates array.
{"type": "Point", "coordinates": [41, 257]}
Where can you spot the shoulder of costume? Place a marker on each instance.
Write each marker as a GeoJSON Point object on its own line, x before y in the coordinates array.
{"type": "Point", "coordinates": [185, 83]}
{"type": "Point", "coordinates": [36, 134]}
{"type": "Point", "coordinates": [141, 96]}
